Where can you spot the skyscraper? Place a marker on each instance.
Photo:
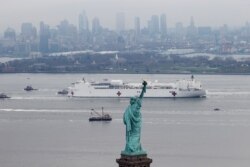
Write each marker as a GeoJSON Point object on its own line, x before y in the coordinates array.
{"type": "Point", "coordinates": [120, 22]}
{"type": "Point", "coordinates": [67, 30]}
{"type": "Point", "coordinates": [44, 38]}
{"type": "Point", "coordinates": [247, 29]}
{"type": "Point", "coordinates": [163, 25]}
{"type": "Point", "coordinates": [83, 28]}
{"type": "Point", "coordinates": [154, 24]}
{"type": "Point", "coordinates": [137, 26]}
{"type": "Point", "coordinates": [191, 29]}
{"type": "Point", "coordinates": [28, 31]}
{"type": "Point", "coordinates": [83, 22]}
{"type": "Point", "coordinates": [192, 22]}
{"type": "Point", "coordinates": [10, 34]}
{"type": "Point", "coordinates": [96, 27]}
{"type": "Point", "coordinates": [179, 30]}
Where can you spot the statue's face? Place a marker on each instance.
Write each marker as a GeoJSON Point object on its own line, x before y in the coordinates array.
{"type": "Point", "coordinates": [132, 100]}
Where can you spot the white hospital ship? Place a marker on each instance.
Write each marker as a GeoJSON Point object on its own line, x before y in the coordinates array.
{"type": "Point", "coordinates": [119, 88]}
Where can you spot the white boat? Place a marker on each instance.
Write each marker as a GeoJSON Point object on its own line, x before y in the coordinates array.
{"type": "Point", "coordinates": [120, 89]}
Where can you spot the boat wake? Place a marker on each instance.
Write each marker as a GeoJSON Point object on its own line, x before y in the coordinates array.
{"type": "Point", "coordinates": [227, 93]}
{"type": "Point", "coordinates": [38, 98]}
{"type": "Point", "coordinates": [44, 110]}
{"type": "Point", "coordinates": [197, 122]}
{"type": "Point", "coordinates": [47, 90]}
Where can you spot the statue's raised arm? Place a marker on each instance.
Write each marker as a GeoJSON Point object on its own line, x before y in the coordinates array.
{"type": "Point", "coordinates": [144, 83]}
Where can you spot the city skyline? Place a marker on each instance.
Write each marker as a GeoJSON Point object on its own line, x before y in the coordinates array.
{"type": "Point", "coordinates": [206, 13]}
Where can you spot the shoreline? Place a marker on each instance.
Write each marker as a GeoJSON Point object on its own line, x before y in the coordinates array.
{"type": "Point", "coordinates": [124, 73]}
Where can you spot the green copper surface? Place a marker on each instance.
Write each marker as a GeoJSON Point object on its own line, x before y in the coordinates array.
{"type": "Point", "coordinates": [132, 119]}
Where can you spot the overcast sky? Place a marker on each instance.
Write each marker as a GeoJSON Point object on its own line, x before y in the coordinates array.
{"type": "Point", "coordinates": [205, 12]}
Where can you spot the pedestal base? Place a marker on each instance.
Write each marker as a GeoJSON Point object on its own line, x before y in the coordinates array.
{"type": "Point", "coordinates": [134, 161]}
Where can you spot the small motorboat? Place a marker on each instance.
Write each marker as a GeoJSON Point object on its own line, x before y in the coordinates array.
{"type": "Point", "coordinates": [63, 92]}
{"type": "Point", "coordinates": [95, 116]}
{"type": "Point", "coordinates": [29, 88]}
{"type": "Point", "coordinates": [3, 96]}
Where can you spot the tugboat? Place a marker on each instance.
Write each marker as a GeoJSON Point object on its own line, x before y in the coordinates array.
{"type": "Point", "coordinates": [3, 96]}
{"type": "Point", "coordinates": [29, 88]}
{"type": "Point", "coordinates": [95, 116]}
{"type": "Point", "coordinates": [63, 92]}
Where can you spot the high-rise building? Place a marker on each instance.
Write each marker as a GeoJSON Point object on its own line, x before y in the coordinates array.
{"type": "Point", "coordinates": [28, 31]}
{"type": "Point", "coordinates": [67, 29]}
{"type": "Point", "coordinates": [191, 29]}
{"type": "Point", "coordinates": [84, 28]}
{"type": "Point", "coordinates": [179, 30]}
{"type": "Point", "coordinates": [96, 27]}
{"type": "Point", "coordinates": [63, 27]}
{"type": "Point", "coordinates": [163, 24]}
{"type": "Point", "coordinates": [204, 31]}
{"type": "Point", "coordinates": [154, 24]}
{"type": "Point", "coordinates": [44, 38]}
{"type": "Point", "coordinates": [247, 29]}
{"type": "Point", "coordinates": [149, 26]}
{"type": "Point", "coordinates": [192, 22]}
{"type": "Point", "coordinates": [120, 22]}
{"type": "Point", "coordinates": [10, 34]}
{"type": "Point", "coordinates": [83, 22]}
{"type": "Point", "coordinates": [137, 26]}
{"type": "Point", "coordinates": [67, 33]}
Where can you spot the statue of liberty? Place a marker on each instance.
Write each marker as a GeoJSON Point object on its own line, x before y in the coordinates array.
{"type": "Point", "coordinates": [132, 120]}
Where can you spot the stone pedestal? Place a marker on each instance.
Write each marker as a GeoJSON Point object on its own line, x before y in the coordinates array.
{"type": "Point", "coordinates": [134, 161]}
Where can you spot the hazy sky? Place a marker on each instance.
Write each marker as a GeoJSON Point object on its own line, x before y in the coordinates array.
{"type": "Point", "coordinates": [205, 12]}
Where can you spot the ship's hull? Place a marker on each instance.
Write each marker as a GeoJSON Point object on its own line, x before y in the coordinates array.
{"type": "Point", "coordinates": [89, 92]}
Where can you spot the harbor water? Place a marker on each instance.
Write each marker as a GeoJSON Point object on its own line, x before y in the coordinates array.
{"type": "Point", "coordinates": [43, 129]}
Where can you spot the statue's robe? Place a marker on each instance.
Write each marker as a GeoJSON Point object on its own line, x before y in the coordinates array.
{"type": "Point", "coordinates": [132, 120]}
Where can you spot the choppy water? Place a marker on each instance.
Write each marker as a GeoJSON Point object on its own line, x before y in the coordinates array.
{"type": "Point", "coordinates": [41, 128]}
